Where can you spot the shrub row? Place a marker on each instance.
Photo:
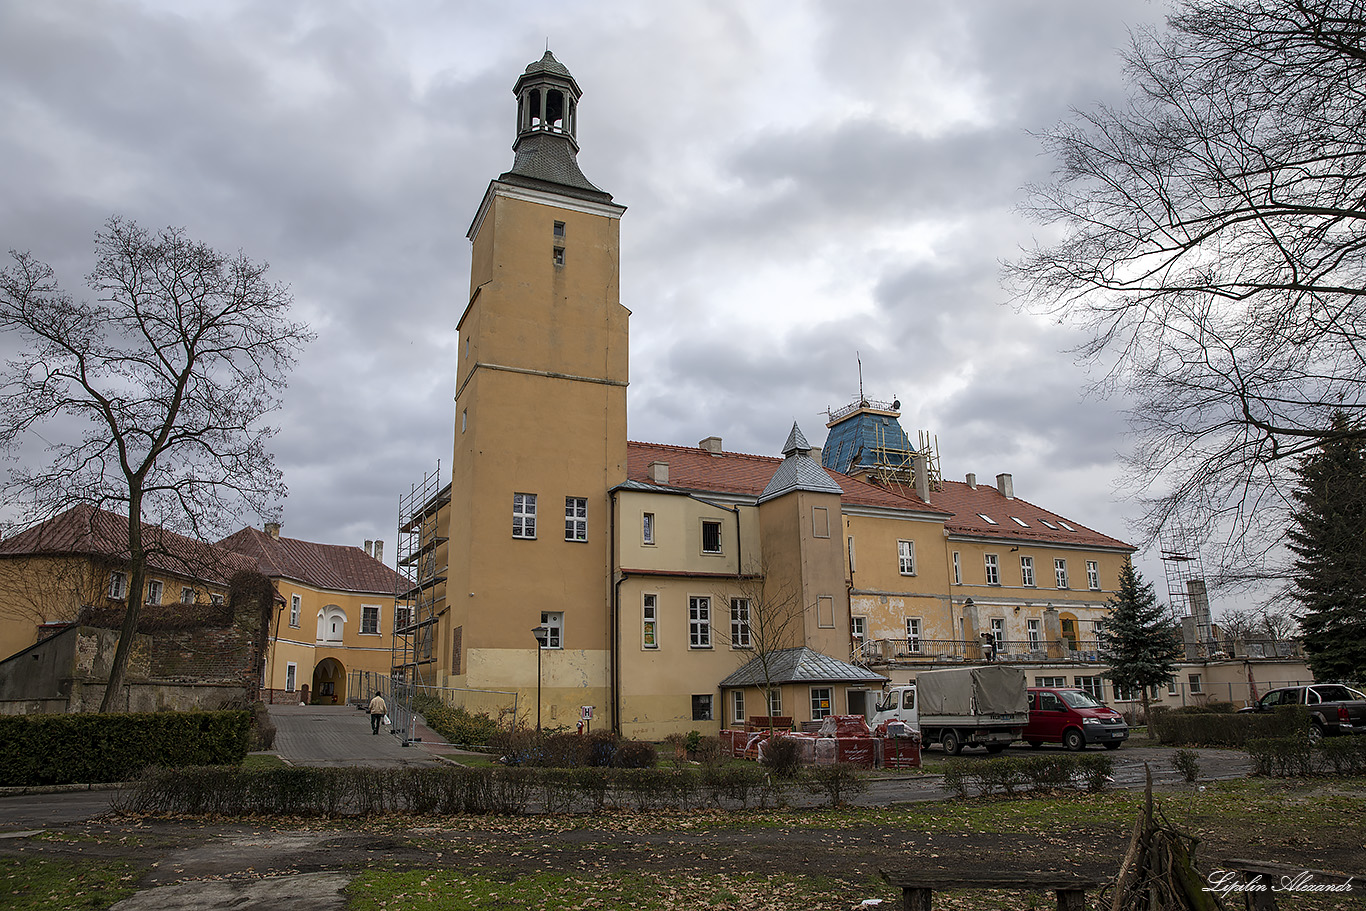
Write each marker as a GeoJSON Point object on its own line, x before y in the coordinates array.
{"type": "Point", "coordinates": [598, 750]}
{"type": "Point", "coordinates": [1013, 774]}
{"type": "Point", "coordinates": [455, 723]}
{"type": "Point", "coordinates": [1218, 729]}
{"type": "Point", "coordinates": [1296, 757]}
{"type": "Point", "coordinates": [228, 791]}
{"type": "Point", "coordinates": [90, 748]}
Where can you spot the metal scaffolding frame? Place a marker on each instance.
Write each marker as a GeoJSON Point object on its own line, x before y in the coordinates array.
{"type": "Point", "coordinates": [413, 654]}
{"type": "Point", "coordinates": [1187, 592]}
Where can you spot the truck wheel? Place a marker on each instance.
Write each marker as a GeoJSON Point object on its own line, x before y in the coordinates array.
{"type": "Point", "coordinates": [1315, 732]}
{"type": "Point", "coordinates": [951, 744]}
{"type": "Point", "coordinates": [995, 747]}
{"type": "Point", "coordinates": [1073, 740]}
{"type": "Point", "coordinates": [1113, 745]}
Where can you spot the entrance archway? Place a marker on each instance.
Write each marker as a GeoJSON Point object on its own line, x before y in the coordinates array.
{"type": "Point", "coordinates": [329, 682]}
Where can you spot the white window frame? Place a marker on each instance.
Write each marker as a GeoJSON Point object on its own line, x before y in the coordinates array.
{"type": "Point", "coordinates": [524, 516]}
{"type": "Point", "coordinates": [215, 598]}
{"type": "Point", "coordinates": [913, 640]}
{"type": "Point", "coordinates": [858, 630]}
{"type": "Point", "coordinates": [186, 595]}
{"type": "Point", "coordinates": [817, 711]}
{"type": "Point", "coordinates": [291, 677]}
{"type": "Point", "coordinates": [403, 616]}
{"type": "Point", "coordinates": [1027, 571]}
{"type": "Point", "coordinates": [1196, 683]}
{"type": "Point", "coordinates": [720, 546]}
{"type": "Point", "coordinates": [737, 706]}
{"type": "Point", "coordinates": [1053, 681]}
{"type": "Point", "coordinates": [118, 585]}
{"type": "Point", "coordinates": [957, 569]}
{"type": "Point", "coordinates": [998, 633]}
{"type": "Point", "coordinates": [553, 621]}
{"type": "Point", "coordinates": [699, 621]}
{"type": "Point", "coordinates": [649, 620]}
{"type": "Point", "coordinates": [154, 590]}
{"type": "Point", "coordinates": [775, 702]}
{"type": "Point", "coordinates": [993, 569]}
{"type": "Point", "coordinates": [739, 623]}
{"type": "Point", "coordinates": [1034, 632]}
{"type": "Point", "coordinates": [1093, 575]}
{"type": "Point", "coordinates": [647, 528]}
{"type": "Point", "coordinates": [1092, 684]}
{"type": "Point", "coordinates": [295, 607]}
{"type": "Point", "coordinates": [905, 557]}
{"type": "Point", "coordinates": [576, 518]}
{"type": "Point", "coordinates": [1060, 572]}
{"type": "Point", "coordinates": [369, 613]}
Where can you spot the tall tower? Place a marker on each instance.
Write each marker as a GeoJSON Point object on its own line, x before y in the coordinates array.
{"type": "Point", "coordinates": [540, 435]}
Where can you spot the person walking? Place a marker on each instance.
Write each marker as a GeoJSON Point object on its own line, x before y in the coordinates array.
{"type": "Point", "coordinates": [377, 712]}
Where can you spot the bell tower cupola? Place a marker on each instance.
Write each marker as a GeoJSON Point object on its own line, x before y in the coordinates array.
{"type": "Point", "coordinates": [547, 143]}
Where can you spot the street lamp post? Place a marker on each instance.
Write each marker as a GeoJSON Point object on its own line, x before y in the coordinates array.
{"type": "Point", "coordinates": [540, 633]}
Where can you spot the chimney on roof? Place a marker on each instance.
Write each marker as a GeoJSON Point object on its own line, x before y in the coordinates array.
{"type": "Point", "coordinates": [920, 464]}
{"type": "Point", "coordinates": [972, 480]}
{"type": "Point", "coordinates": [369, 548]}
{"type": "Point", "coordinates": [815, 453]}
{"type": "Point", "coordinates": [273, 529]}
{"type": "Point", "coordinates": [379, 551]}
{"type": "Point", "coordinates": [659, 472]}
{"type": "Point", "coordinates": [711, 444]}
{"type": "Point", "coordinates": [1006, 486]}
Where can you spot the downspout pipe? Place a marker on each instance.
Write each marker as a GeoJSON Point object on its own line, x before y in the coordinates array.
{"type": "Point", "coordinates": [614, 640]}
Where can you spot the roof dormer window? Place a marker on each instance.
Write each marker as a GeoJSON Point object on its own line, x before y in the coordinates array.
{"type": "Point", "coordinates": [986, 518]}
{"type": "Point", "coordinates": [1020, 522]}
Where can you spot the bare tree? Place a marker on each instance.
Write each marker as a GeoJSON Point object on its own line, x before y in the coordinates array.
{"type": "Point", "coordinates": [767, 617]}
{"type": "Point", "coordinates": [1215, 232]}
{"type": "Point", "coordinates": [151, 397]}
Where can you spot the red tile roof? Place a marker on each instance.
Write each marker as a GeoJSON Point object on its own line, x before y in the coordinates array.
{"type": "Point", "coordinates": [697, 469]}
{"type": "Point", "coordinates": [86, 531]}
{"type": "Point", "coordinates": [335, 567]}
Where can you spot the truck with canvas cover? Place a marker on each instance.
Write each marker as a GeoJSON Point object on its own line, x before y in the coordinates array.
{"type": "Point", "coordinates": [954, 707]}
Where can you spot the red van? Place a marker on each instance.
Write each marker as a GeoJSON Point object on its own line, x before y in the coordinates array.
{"type": "Point", "coordinates": [1073, 718]}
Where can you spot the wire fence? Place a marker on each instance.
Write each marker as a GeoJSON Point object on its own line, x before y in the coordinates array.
{"type": "Point", "coordinates": [398, 697]}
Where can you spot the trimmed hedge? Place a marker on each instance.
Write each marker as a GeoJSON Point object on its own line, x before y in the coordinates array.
{"type": "Point", "coordinates": [1205, 728]}
{"type": "Point", "coordinates": [1295, 757]}
{"type": "Point", "coordinates": [1013, 774]}
{"type": "Point", "coordinates": [94, 748]}
{"type": "Point", "coordinates": [458, 725]}
{"type": "Point", "coordinates": [449, 790]}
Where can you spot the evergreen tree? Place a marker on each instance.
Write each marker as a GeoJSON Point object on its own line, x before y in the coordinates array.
{"type": "Point", "coordinates": [1138, 639]}
{"type": "Point", "coordinates": [1329, 541]}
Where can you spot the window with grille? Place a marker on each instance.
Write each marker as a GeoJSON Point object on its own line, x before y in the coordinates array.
{"type": "Point", "coordinates": [699, 622]}
{"type": "Point", "coordinates": [575, 518]}
{"type": "Point", "coordinates": [905, 557]}
{"type": "Point", "coordinates": [524, 515]}
{"type": "Point", "coordinates": [993, 570]}
{"type": "Point", "coordinates": [739, 623]}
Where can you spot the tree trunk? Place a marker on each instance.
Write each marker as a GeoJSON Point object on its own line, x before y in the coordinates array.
{"type": "Point", "coordinates": [137, 572]}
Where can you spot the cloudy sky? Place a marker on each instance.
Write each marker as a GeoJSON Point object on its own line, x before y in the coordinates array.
{"type": "Point", "coordinates": [805, 181]}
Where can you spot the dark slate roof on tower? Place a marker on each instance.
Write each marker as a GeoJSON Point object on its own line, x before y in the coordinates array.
{"type": "Point", "coordinates": [796, 441]}
{"type": "Point", "coordinates": [547, 162]}
{"type": "Point", "coordinates": [798, 471]}
{"type": "Point", "coordinates": [868, 436]}
{"type": "Point", "coordinates": [548, 64]}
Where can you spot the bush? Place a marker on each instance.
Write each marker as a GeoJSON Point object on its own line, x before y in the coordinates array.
{"type": "Point", "coordinates": [455, 723]}
{"type": "Point", "coordinates": [738, 784]}
{"type": "Point", "coordinates": [90, 748]}
{"type": "Point", "coordinates": [634, 754]}
{"type": "Point", "coordinates": [709, 751]}
{"type": "Point", "coordinates": [782, 757]}
{"type": "Point", "coordinates": [835, 781]}
{"type": "Point", "coordinates": [1008, 774]}
{"type": "Point", "coordinates": [1187, 762]}
{"type": "Point", "coordinates": [1196, 726]}
{"type": "Point", "coordinates": [1296, 757]}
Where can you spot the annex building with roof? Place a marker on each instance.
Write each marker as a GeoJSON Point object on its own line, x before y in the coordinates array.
{"type": "Point", "coordinates": [677, 588]}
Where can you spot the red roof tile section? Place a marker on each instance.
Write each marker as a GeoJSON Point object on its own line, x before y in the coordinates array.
{"type": "Point", "coordinates": [87, 531]}
{"type": "Point", "coordinates": [336, 567]}
{"type": "Point", "coordinates": [695, 469]}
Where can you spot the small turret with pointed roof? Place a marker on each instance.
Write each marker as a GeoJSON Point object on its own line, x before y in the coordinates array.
{"type": "Point", "coordinates": [798, 470]}
{"type": "Point", "coordinates": [547, 132]}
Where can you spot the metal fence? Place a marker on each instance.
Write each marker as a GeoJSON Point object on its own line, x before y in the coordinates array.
{"type": "Point", "coordinates": [398, 697]}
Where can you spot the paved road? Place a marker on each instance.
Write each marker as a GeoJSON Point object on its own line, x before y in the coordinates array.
{"type": "Point", "coordinates": [339, 735]}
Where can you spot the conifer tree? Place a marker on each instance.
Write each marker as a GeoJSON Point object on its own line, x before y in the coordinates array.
{"type": "Point", "coordinates": [1329, 541]}
{"type": "Point", "coordinates": [1138, 640]}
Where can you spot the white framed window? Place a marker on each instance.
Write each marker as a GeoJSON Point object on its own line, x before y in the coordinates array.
{"type": "Point", "coordinates": [524, 515]}
{"type": "Point", "coordinates": [1027, 571]}
{"type": "Point", "coordinates": [553, 621]}
{"type": "Point", "coordinates": [369, 619]}
{"type": "Point", "coordinates": [1050, 681]}
{"type": "Point", "coordinates": [403, 616]}
{"type": "Point", "coordinates": [711, 536]}
{"type": "Point", "coordinates": [1060, 571]}
{"type": "Point", "coordinates": [1172, 687]}
{"type": "Point", "coordinates": [905, 557]}
{"type": "Point", "coordinates": [820, 522]}
{"type": "Point", "coordinates": [647, 528]}
{"type": "Point", "coordinates": [739, 623]}
{"type": "Point", "coordinates": [1093, 685]}
{"type": "Point", "coordinates": [1034, 633]}
{"type": "Point", "coordinates": [649, 620]}
{"type": "Point", "coordinates": [291, 677]}
{"type": "Point", "coordinates": [331, 624]}
{"type": "Point", "coordinates": [737, 706]}
{"type": "Point", "coordinates": [701, 707]}
{"type": "Point", "coordinates": [993, 570]}
{"type": "Point", "coordinates": [295, 607]}
{"type": "Point", "coordinates": [118, 585]}
{"type": "Point", "coordinates": [215, 598]}
{"type": "Point", "coordinates": [913, 634]}
{"type": "Point", "coordinates": [858, 631]}
{"type": "Point", "coordinates": [1020, 522]}
{"type": "Point", "coordinates": [153, 591]}
{"type": "Point", "coordinates": [822, 698]}
{"type": "Point", "coordinates": [998, 633]}
{"type": "Point", "coordinates": [1093, 575]}
{"type": "Point", "coordinates": [775, 702]}
{"type": "Point", "coordinates": [576, 518]}
{"type": "Point", "coordinates": [699, 621]}
{"type": "Point", "coordinates": [1195, 682]}
{"type": "Point", "coordinates": [186, 595]}
{"type": "Point", "coordinates": [957, 569]}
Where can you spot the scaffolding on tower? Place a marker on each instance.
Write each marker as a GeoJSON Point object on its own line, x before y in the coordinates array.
{"type": "Point", "coordinates": [420, 558]}
{"type": "Point", "coordinates": [1187, 591]}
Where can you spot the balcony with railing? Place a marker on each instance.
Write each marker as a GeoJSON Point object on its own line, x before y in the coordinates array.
{"type": "Point", "coordinates": [952, 651]}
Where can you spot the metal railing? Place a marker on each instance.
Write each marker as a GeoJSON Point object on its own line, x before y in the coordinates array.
{"type": "Point", "coordinates": [915, 650]}
{"type": "Point", "coordinates": [398, 697]}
